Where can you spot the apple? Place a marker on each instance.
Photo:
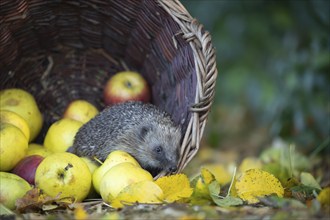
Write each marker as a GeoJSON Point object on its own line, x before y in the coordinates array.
{"type": "Point", "coordinates": [92, 165]}
{"type": "Point", "coordinates": [23, 103]}
{"type": "Point", "coordinates": [26, 168]}
{"type": "Point", "coordinates": [114, 158]}
{"type": "Point", "coordinates": [120, 176]}
{"type": "Point", "coordinates": [126, 86]}
{"type": "Point", "coordinates": [14, 119]}
{"type": "Point", "coordinates": [80, 110]}
{"type": "Point", "coordinates": [60, 135]}
{"type": "Point", "coordinates": [12, 187]}
{"type": "Point", "coordinates": [38, 149]}
{"type": "Point", "coordinates": [13, 146]}
{"type": "Point", "coordinates": [65, 175]}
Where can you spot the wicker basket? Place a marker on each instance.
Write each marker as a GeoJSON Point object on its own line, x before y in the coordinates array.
{"type": "Point", "coordinates": [65, 50]}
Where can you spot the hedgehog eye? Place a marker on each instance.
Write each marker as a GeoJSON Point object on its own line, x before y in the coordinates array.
{"type": "Point", "coordinates": [158, 149]}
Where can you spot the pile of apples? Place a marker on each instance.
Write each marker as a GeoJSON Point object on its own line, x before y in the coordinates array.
{"type": "Point", "coordinates": [24, 164]}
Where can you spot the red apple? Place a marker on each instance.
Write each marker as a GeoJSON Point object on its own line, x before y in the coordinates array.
{"type": "Point", "coordinates": [26, 168]}
{"type": "Point", "coordinates": [126, 86]}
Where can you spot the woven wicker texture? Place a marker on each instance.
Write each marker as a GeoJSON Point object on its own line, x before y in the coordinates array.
{"type": "Point", "coordinates": [65, 50]}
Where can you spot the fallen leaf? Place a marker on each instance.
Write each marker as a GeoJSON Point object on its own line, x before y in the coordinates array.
{"type": "Point", "coordinates": [308, 180]}
{"type": "Point", "coordinates": [220, 173]}
{"type": "Point", "coordinates": [201, 193]}
{"type": "Point", "coordinates": [35, 200]}
{"type": "Point", "coordinates": [139, 192]}
{"type": "Point", "coordinates": [228, 201]}
{"type": "Point", "coordinates": [324, 196]}
{"type": "Point", "coordinates": [80, 213]}
{"type": "Point", "coordinates": [256, 183]}
{"type": "Point", "coordinates": [5, 211]}
{"type": "Point", "coordinates": [175, 187]}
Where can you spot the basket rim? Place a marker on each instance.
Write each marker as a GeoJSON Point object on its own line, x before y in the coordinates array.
{"type": "Point", "coordinates": [206, 74]}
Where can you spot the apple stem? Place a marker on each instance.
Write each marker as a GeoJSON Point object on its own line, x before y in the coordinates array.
{"type": "Point", "coordinates": [68, 166]}
{"type": "Point", "coordinates": [128, 84]}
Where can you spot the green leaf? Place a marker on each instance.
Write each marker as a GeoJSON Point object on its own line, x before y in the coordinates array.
{"type": "Point", "coordinates": [227, 201]}
{"type": "Point", "coordinates": [308, 180]}
{"type": "Point", "coordinates": [214, 188]}
{"type": "Point", "coordinates": [5, 211]}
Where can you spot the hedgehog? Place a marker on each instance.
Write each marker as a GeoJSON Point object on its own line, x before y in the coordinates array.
{"type": "Point", "coordinates": [140, 129]}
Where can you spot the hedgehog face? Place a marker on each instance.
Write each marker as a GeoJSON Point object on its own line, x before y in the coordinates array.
{"type": "Point", "coordinates": [161, 146]}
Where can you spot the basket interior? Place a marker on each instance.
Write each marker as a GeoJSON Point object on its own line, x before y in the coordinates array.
{"type": "Point", "coordinates": [65, 50]}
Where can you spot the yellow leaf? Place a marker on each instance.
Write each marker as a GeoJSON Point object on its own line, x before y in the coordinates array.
{"type": "Point", "coordinates": [220, 173]}
{"type": "Point", "coordinates": [256, 183]}
{"type": "Point", "coordinates": [175, 187]}
{"type": "Point", "coordinates": [324, 196]}
{"type": "Point", "coordinates": [142, 192]}
{"type": "Point", "coordinates": [207, 176]}
{"type": "Point", "coordinates": [80, 213]}
{"type": "Point", "coordinates": [201, 192]}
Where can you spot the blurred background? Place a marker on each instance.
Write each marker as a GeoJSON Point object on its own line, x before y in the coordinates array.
{"type": "Point", "coordinates": [273, 59]}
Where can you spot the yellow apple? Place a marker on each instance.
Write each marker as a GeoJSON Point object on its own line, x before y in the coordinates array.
{"type": "Point", "coordinates": [13, 146]}
{"type": "Point", "coordinates": [38, 149]}
{"type": "Point", "coordinates": [114, 158]}
{"type": "Point", "coordinates": [120, 176]}
{"type": "Point", "coordinates": [23, 103]}
{"type": "Point", "coordinates": [143, 192]}
{"type": "Point", "coordinates": [64, 174]}
{"type": "Point", "coordinates": [80, 110]}
{"type": "Point", "coordinates": [126, 86]}
{"type": "Point", "coordinates": [12, 187]}
{"type": "Point", "coordinates": [60, 135]}
{"type": "Point", "coordinates": [92, 167]}
{"type": "Point", "coordinates": [91, 164]}
{"type": "Point", "coordinates": [14, 119]}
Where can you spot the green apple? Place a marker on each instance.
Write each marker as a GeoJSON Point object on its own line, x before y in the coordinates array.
{"type": "Point", "coordinates": [64, 174]}
{"type": "Point", "coordinates": [12, 187]}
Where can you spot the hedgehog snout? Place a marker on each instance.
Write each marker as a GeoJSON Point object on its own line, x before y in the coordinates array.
{"type": "Point", "coordinates": [172, 169]}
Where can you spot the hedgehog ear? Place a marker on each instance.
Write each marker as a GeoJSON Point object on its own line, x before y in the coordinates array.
{"type": "Point", "coordinates": [144, 130]}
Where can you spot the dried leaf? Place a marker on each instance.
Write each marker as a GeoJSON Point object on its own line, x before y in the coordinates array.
{"type": "Point", "coordinates": [34, 199]}
{"type": "Point", "coordinates": [256, 183]}
{"type": "Point", "coordinates": [175, 187]}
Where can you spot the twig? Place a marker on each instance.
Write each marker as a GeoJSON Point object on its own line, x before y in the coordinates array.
{"type": "Point", "coordinates": [47, 71]}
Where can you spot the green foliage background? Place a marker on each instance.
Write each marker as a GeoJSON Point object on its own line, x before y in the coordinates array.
{"type": "Point", "coordinates": [273, 59]}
